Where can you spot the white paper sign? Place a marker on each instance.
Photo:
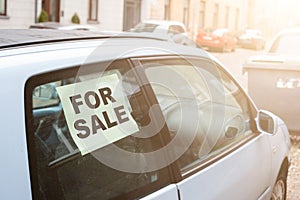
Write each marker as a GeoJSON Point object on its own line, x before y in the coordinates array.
{"type": "Point", "coordinates": [96, 112]}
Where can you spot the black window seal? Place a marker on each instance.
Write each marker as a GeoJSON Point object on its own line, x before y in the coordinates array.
{"type": "Point", "coordinates": [30, 84]}
{"type": "Point", "coordinates": [165, 138]}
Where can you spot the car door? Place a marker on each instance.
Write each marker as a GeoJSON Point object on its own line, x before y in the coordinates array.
{"type": "Point", "coordinates": [211, 121]}
{"type": "Point", "coordinates": [89, 137]}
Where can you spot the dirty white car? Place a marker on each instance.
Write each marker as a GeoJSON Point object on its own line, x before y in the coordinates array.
{"type": "Point", "coordinates": [89, 116]}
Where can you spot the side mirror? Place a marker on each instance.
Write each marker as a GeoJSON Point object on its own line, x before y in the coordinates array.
{"type": "Point", "coordinates": [266, 122]}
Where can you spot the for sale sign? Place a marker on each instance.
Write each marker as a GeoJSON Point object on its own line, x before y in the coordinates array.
{"type": "Point", "coordinates": [96, 112]}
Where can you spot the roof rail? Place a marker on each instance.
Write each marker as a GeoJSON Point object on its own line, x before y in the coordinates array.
{"type": "Point", "coordinates": [24, 37]}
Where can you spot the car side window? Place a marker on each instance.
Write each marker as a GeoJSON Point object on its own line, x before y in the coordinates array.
{"type": "Point", "coordinates": [175, 29]}
{"type": "Point", "coordinates": [202, 104]}
{"type": "Point", "coordinates": [82, 128]}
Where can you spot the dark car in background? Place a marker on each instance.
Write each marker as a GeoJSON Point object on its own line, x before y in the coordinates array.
{"type": "Point", "coordinates": [252, 38]}
{"type": "Point", "coordinates": [217, 39]}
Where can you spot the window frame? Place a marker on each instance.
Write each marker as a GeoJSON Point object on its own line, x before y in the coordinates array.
{"type": "Point", "coordinates": [175, 29]}
{"type": "Point", "coordinates": [197, 167]}
{"type": "Point", "coordinates": [4, 13]}
{"type": "Point", "coordinates": [91, 10]}
{"type": "Point", "coordinates": [51, 76]}
{"type": "Point", "coordinates": [186, 12]}
{"type": "Point", "coordinates": [167, 9]}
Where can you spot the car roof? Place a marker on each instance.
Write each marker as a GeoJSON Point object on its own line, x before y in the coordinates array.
{"type": "Point", "coordinates": [111, 43]}
{"type": "Point", "coordinates": [290, 31]}
{"type": "Point", "coordinates": [163, 22]}
{"type": "Point", "coordinates": [20, 37]}
{"type": "Point", "coordinates": [24, 37]}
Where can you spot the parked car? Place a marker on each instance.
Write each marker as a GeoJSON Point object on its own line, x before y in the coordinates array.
{"type": "Point", "coordinates": [172, 31]}
{"type": "Point", "coordinates": [279, 70]}
{"type": "Point", "coordinates": [60, 26]}
{"type": "Point", "coordinates": [252, 38]}
{"type": "Point", "coordinates": [216, 39]}
{"type": "Point", "coordinates": [161, 27]}
{"type": "Point", "coordinates": [90, 116]}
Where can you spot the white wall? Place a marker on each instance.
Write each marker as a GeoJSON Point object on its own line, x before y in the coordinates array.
{"type": "Point", "coordinates": [70, 7]}
{"type": "Point", "coordinates": [233, 5]}
{"type": "Point", "coordinates": [20, 14]}
{"type": "Point", "coordinates": [146, 9]}
{"type": "Point", "coordinates": [110, 15]}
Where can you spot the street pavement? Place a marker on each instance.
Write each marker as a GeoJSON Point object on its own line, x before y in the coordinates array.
{"type": "Point", "coordinates": [293, 184]}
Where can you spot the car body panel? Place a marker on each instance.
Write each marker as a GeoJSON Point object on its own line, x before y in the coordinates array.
{"type": "Point", "coordinates": [169, 192]}
{"type": "Point", "coordinates": [31, 60]}
{"type": "Point", "coordinates": [41, 59]}
{"type": "Point", "coordinates": [251, 38]}
{"type": "Point", "coordinates": [219, 39]}
{"type": "Point", "coordinates": [238, 178]}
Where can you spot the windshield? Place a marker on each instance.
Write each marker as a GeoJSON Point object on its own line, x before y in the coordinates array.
{"type": "Point", "coordinates": [219, 32]}
{"type": "Point", "coordinates": [144, 27]}
{"type": "Point", "coordinates": [287, 44]}
{"type": "Point", "coordinates": [252, 32]}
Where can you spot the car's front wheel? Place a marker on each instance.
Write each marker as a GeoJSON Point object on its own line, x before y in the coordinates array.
{"type": "Point", "coordinates": [279, 190]}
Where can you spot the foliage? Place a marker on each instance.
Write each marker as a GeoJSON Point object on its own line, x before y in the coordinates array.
{"type": "Point", "coordinates": [43, 16]}
{"type": "Point", "coordinates": [75, 19]}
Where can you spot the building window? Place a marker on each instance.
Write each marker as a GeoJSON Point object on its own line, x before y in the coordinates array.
{"type": "Point", "coordinates": [167, 9]}
{"type": "Point", "coordinates": [202, 14]}
{"type": "Point", "coordinates": [2, 7]}
{"type": "Point", "coordinates": [227, 17]}
{"type": "Point", "coordinates": [93, 10]}
{"type": "Point", "coordinates": [186, 8]}
{"type": "Point", "coordinates": [216, 16]}
{"type": "Point", "coordinates": [237, 16]}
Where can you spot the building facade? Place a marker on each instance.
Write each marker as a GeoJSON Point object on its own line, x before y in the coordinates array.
{"type": "Point", "coordinates": [120, 15]}
{"type": "Point", "coordinates": [113, 15]}
{"type": "Point", "coordinates": [199, 14]}
{"type": "Point", "coordinates": [16, 13]}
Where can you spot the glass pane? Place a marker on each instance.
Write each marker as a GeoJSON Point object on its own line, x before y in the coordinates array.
{"type": "Point", "coordinates": [94, 8]}
{"type": "Point", "coordinates": [287, 44]}
{"type": "Point", "coordinates": [2, 6]}
{"type": "Point", "coordinates": [203, 108]}
{"type": "Point", "coordinates": [144, 27]}
{"type": "Point", "coordinates": [84, 132]}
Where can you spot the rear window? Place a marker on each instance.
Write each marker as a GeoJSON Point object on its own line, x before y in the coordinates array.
{"type": "Point", "coordinates": [287, 44]}
{"type": "Point", "coordinates": [82, 130]}
{"type": "Point", "coordinates": [144, 27]}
